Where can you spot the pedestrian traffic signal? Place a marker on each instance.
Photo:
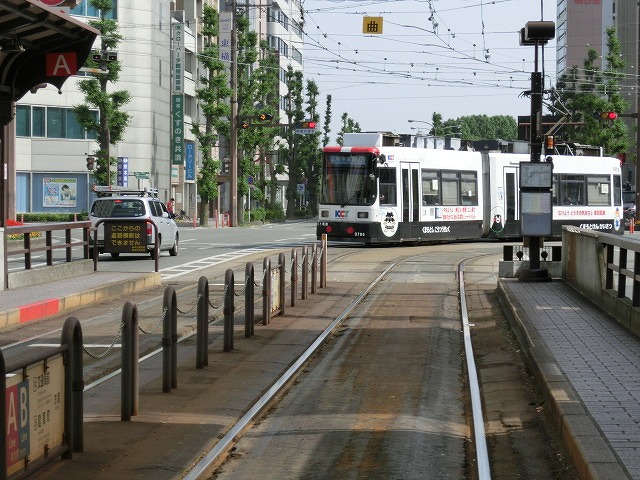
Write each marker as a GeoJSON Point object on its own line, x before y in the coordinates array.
{"type": "Point", "coordinates": [245, 124]}
{"type": "Point", "coordinates": [608, 115]}
{"type": "Point", "coordinates": [265, 116]}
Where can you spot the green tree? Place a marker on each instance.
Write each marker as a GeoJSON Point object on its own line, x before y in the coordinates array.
{"type": "Point", "coordinates": [583, 95]}
{"type": "Point", "coordinates": [327, 122]}
{"type": "Point", "coordinates": [257, 94]}
{"type": "Point", "coordinates": [295, 115]}
{"type": "Point", "coordinates": [309, 152]}
{"type": "Point", "coordinates": [213, 98]}
{"type": "Point", "coordinates": [112, 121]}
{"type": "Point", "coordinates": [349, 125]}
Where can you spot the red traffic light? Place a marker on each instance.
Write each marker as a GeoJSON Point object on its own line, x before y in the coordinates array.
{"type": "Point", "coordinates": [309, 124]}
{"type": "Point", "coordinates": [609, 115]}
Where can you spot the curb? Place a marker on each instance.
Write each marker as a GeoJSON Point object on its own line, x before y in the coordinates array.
{"type": "Point", "coordinates": [51, 307]}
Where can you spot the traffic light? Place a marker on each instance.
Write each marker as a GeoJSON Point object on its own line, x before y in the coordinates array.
{"type": "Point", "coordinates": [608, 115]}
{"type": "Point", "coordinates": [91, 163]}
{"type": "Point", "coordinates": [265, 116]}
{"type": "Point", "coordinates": [308, 124]}
{"type": "Point", "coordinates": [245, 124]}
{"type": "Point", "coordinates": [549, 144]}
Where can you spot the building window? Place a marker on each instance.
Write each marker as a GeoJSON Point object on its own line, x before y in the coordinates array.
{"type": "Point", "coordinates": [51, 122]}
{"type": "Point", "coordinates": [86, 10]}
{"type": "Point", "coordinates": [23, 121]}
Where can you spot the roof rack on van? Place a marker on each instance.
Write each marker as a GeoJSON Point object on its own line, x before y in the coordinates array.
{"type": "Point", "coordinates": [110, 190]}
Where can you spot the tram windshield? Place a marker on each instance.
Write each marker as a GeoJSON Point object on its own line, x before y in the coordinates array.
{"type": "Point", "coordinates": [347, 179]}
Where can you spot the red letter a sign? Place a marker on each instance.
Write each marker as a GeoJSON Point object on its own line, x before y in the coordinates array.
{"type": "Point", "coordinates": [62, 64]}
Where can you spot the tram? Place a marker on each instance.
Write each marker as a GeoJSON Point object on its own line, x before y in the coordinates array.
{"type": "Point", "coordinates": [373, 193]}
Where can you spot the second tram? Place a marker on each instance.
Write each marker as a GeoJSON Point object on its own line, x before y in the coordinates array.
{"type": "Point", "coordinates": [372, 193]}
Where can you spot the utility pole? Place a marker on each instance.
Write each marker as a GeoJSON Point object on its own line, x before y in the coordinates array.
{"type": "Point", "coordinates": [233, 131]}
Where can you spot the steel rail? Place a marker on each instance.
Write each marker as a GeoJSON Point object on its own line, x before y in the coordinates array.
{"type": "Point", "coordinates": [482, 457]}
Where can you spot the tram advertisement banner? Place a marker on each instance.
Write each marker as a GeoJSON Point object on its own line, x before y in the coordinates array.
{"type": "Point", "coordinates": [34, 412]}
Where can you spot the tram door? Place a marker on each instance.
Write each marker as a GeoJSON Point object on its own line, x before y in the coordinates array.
{"type": "Point", "coordinates": [410, 199]}
{"type": "Point", "coordinates": [511, 201]}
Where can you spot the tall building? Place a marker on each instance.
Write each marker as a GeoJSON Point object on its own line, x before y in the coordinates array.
{"type": "Point", "coordinates": [582, 24]}
{"type": "Point", "coordinates": [52, 147]}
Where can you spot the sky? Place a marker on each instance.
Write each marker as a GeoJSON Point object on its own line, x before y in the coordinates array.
{"type": "Point", "coordinates": [452, 57]}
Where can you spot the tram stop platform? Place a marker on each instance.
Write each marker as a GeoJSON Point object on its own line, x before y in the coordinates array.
{"type": "Point", "coordinates": [586, 366]}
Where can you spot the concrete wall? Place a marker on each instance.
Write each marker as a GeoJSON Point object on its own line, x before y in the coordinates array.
{"type": "Point", "coordinates": [584, 268]}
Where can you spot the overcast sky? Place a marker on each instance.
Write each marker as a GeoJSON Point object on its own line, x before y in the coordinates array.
{"type": "Point", "coordinates": [453, 57]}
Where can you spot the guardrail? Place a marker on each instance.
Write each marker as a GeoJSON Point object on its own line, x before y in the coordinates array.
{"type": "Point", "coordinates": [45, 241]}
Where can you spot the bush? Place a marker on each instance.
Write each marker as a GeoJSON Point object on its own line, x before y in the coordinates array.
{"type": "Point", "coordinates": [257, 215]}
{"type": "Point", "coordinates": [51, 217]}
{"type": "Point", "coordinates": [274, 214]}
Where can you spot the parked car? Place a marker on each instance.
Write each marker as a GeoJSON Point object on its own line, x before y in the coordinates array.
{"type": "Point", "coordinates": [128, 204]}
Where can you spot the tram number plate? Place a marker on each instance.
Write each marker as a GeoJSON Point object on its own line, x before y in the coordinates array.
{"type": "Point", "coordinates": [437, 229]}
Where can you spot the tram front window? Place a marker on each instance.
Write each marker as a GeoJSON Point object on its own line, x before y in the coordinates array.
{"type": "Point", "coordinates": [346, 180]}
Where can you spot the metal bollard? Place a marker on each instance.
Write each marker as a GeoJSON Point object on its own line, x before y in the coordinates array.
{"type": "Point", "coordinates": [294, 277]}
{"type": "Point", "coordinates": [314, 267]}
{"type": "Point", "coordinates": [323, 262]}
{"type": "Point", "coordinates": [130, 352]}
{"type": "Point", "coordinates": [228, 310]}
{"type": "Point", "coordinates": [305, 272]}
{"type": "Point", "coordinates": [249, 304]}
{"type": "Point", "coordinates": [74, 385]}
{"type": "Point", "coordinates": [202, 326]}
{"type": "Point", "coordinates": [169, 340]}
{"type": "Point", "coordinates": [281, 286]}
{"type": "Point", "coordinates": [266, 291]}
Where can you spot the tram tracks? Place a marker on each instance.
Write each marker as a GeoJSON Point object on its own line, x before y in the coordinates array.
{"type": "Point", "coordinates": [214, 458]}
{"type": "Point", "coordinates": [368, 318]}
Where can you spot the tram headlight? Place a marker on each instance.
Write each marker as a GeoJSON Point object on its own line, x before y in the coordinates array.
{"type": "Point", "coordinates": [324, 213]}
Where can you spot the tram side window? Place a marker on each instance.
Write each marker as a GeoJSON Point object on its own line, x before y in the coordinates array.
{"type": "Point", "coordinates": [469, 184]}
{"type": "Point", "coordinates": [598, 190]}
{"type": "Point", "coordinates": [388, 187]}
{"type": "Point", "coordinates": [450, 188]}
{"type": "Point", "coordinates": [430, 188]}
{"type": "Point", "coordinates": [571, 189]}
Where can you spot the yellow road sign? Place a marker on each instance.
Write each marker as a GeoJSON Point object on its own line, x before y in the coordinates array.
{"type": "Point", "coordinates": [372, 25]}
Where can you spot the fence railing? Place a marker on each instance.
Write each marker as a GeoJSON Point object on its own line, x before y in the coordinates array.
{"type": "Point", "coordinates": [48, 238]}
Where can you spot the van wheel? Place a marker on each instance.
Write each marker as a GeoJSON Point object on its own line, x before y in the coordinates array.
{"type": "Point", "coordinates": [174, 250]}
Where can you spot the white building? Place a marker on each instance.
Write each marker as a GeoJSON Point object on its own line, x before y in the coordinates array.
{"type": "Point", "coordinates": [51, 146]}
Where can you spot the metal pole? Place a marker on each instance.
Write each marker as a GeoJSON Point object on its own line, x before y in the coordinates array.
{"type": "Point", "coordinates": [202, 327]}
{"type": "Point", "coordinates": [228, 310]}
{"type": "Point", "coordinates": [233, 141]}
{"type": "Point", "coordinates": [536, 147]}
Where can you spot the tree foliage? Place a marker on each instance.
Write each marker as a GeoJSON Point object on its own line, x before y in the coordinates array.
{"type": "Point", "coordinates": [257, 94]}
{"type": "Point", "coordinates": [212, 96]}
{"type": "Point", "coordinates": [349, 125]}
{"type": "Point", "coordinates": [112, 120]}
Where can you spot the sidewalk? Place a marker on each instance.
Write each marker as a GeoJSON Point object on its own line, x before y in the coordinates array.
{"type": "Point", "coordinates": [37, 302]}
{"type": "Point", "coordinates": [586, 365]}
